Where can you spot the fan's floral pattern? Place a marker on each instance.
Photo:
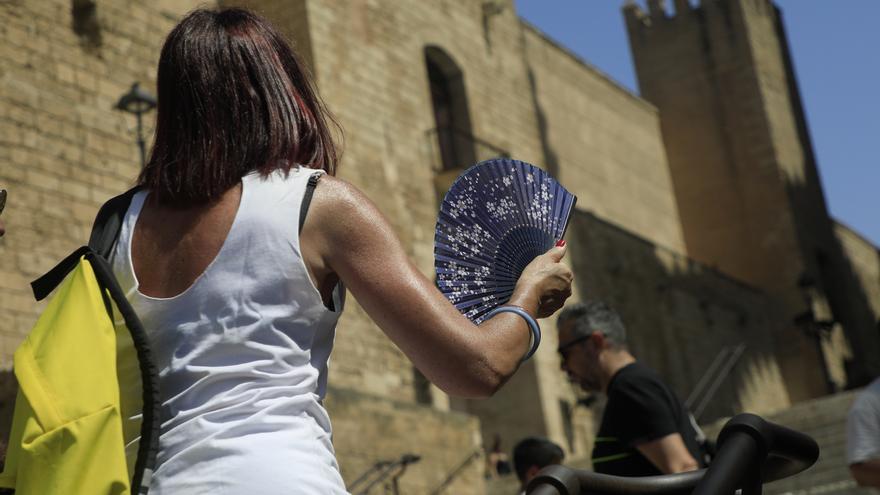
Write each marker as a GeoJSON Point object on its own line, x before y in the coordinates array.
{"type": "Point", "coordinates": [494, 220]}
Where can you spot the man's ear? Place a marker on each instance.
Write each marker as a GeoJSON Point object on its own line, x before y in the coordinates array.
{"type": "Point", "coordinates": [598, 340]}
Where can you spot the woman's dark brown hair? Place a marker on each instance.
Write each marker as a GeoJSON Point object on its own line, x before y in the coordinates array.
{"type": "Point", "coordinates": [233, 98]}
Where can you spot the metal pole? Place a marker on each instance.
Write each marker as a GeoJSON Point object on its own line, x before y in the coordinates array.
{"type": "Point", "coordinates": [140, 139]}
{"type": "Point", "coordinates": [725, 371]}
{"type": "Point", "coordinates": [707, 376]}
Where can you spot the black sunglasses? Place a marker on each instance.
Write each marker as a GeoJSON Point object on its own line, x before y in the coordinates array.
{"type": "Point", "coordinates": [2, 199]}
{"type": "Point", "coordinates": [568, 345]}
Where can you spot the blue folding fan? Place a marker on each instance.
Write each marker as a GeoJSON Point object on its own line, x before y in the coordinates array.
{"type": "Point", "coordinates": [496, 218]}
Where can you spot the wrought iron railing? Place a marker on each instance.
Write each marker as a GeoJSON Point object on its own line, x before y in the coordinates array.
{"type": "Point", "coordinates": [451, 148]}
{"type": "Point", "coordinates": [712, 379]}
{"type": "Point", "coordinates": [383, 471]}
{"type": "Point", "coordinates": [456, 471]}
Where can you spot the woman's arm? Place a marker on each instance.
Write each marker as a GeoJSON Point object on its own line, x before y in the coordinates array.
{"type": "Point", "coordinates": [356, 242]}
{"type": "Point", "coordinates": [866, 473]}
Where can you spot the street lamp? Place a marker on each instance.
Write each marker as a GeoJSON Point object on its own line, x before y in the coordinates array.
{"type": "Point", "coordinates": [818, 326]}
{"type": "Point", "coordinates": [137, 101]}
{"type": "Point", "coordinates": [812, 324]}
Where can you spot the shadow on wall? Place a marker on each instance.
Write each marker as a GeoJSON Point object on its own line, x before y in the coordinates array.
{"type": "Point", "coordinates": [86, 25]}
{"type": "Point", "coordinates": [551, 159]}
{"type": "Point", "coordinates": [852, 291]}
{"type": "Point", "coordinates": [846, 285]}
{"type": "Point", "coordinates": [681, 315]}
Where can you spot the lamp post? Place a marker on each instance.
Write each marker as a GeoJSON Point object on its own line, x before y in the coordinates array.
{"type": "Point", "coordinates": [137, 101]}
{"type": "Point", "coordinates": [818, 326]}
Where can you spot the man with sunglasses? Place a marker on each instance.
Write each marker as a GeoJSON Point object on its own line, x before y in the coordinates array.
{"type": "Point", "coordinates": [645, 429]}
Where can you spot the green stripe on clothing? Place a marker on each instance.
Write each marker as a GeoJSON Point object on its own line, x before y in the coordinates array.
{"type": "Point", "coordinates": [608, 458]}
{"type": "Point", "coordinates": [605, 439]}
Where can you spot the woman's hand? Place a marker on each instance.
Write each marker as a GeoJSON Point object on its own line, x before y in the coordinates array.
{"type": "Point", "coordinates": [547, 279]}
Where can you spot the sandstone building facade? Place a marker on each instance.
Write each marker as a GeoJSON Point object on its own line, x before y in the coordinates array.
{"type": "Point", "coordinates": [700, 214]}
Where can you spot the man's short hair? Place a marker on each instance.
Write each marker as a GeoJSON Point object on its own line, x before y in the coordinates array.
{"type": "Point", "coordinates": [594, 316]}
{"type": "Point", "coordinates": [535, 451]}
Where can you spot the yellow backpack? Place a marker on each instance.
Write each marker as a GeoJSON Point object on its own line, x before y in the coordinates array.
{"type": "Point", "coordinates": [88, 391]}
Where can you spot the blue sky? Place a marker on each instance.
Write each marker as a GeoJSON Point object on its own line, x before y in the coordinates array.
{"type": "Point", "coordinates": [834, 45]}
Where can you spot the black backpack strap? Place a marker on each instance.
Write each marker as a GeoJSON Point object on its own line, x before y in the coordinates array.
{"type": "Point", "coordinates": [44, 285]}
{"type": "Point", "coordinates": [148, 445]}
{"type": "Point", "coordinates": [307, 197]}
{"type": "Point", "coordinates": [108, 222]}
{"type": "Point", "coordinates": [105, 231]}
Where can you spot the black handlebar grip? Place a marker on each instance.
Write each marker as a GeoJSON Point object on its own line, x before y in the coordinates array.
{"type": "Point", "coordinates": [554, 480]}
{"type": "Point", "coordinates": [566, 481]}
{"type": "Point", "coordinates": [752, 451]}
{"type": "Point", "coordinates": [734, 462]}
{"type": "Point", "coordinates": [544, 489]}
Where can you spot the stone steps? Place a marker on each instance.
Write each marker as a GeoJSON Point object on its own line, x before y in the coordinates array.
{"type": "Point", "coordinates": [825, 420]}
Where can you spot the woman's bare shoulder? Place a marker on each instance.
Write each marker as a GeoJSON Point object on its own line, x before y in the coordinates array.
{"type": "Point", "coordinates": [340, 198]}
{"type": "Point", "coordinates": [341, 210]}
{"type": "Point", "coordinates": [332, 190]}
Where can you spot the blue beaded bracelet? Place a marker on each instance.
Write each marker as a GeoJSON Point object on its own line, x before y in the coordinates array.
{"type": "Point", "coordinates": [533, 325]}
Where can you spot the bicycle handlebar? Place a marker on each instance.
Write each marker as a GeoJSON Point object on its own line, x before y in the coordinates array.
{"type": "Point", "coordinates": [560, 480]}
{"type": "Point", "coordinates": [751, 451]}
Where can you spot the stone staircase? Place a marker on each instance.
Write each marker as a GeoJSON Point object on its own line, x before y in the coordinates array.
{"type": "Point", "coordinates": [825, 420]}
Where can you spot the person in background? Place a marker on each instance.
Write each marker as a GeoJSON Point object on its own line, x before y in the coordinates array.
{"type": "Point", "coordinates": [497, 463]}
{"type": "Point", "coordinates": [2, 206]}
{"type": "Point", "coordinates": [240, 291]}
{"type": "Point", "coordinates": [645, 429]}
{"type": "Point", "coordinates": [2, 232]}
{"type": "Point", "coordinates": [532, 454]}
{"type": "Point", "coordinates": [863, 437]}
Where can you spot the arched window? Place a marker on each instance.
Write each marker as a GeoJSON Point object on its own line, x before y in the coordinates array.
{"type": "Point", "coordinates": [452, 119]}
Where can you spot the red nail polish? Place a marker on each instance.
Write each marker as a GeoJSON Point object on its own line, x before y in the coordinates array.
{"type": "Point", "coordinates": [560, 243]}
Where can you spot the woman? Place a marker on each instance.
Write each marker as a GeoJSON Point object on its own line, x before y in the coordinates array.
{"type": "Point", "coordinates": [240, 306]}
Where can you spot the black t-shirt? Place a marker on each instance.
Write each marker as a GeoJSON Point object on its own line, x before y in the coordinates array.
{"type": "Point", "coordinates": [640, 408]}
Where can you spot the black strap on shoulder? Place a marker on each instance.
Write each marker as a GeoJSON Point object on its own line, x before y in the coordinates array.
{"type": "Point", "coordinates": [105, 231]}
{"type": "Point", "coordinates": [148, 445]}
{"type": "Point", "coordinates": [108, 222]}
{"type": "Point", "coordinates": [304, 209]}
{"type": "Point", "coordinates": [307, 197]}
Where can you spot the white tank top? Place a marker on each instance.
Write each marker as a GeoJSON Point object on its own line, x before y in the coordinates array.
{"type": "Point", "coordinates": [242, 356]}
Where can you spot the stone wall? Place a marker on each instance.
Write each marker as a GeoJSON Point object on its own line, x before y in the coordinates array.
{"type": "Point", "coordinates": [698, 68]}
{"type": "Point", "coordinates": [64, 149]}
{"type": "Point", "coordinates": [862, 266]}
{"type": "Point", "coordinates": [371, 69]}
{"type": "Point", "coordinates": [680, 314]}
{"type": "Point", "coordinates": [367, 429]}
{"type": "Point", "coordinates": [603, 142]}
{"type": "Point", "coordinates": [738, 146]}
